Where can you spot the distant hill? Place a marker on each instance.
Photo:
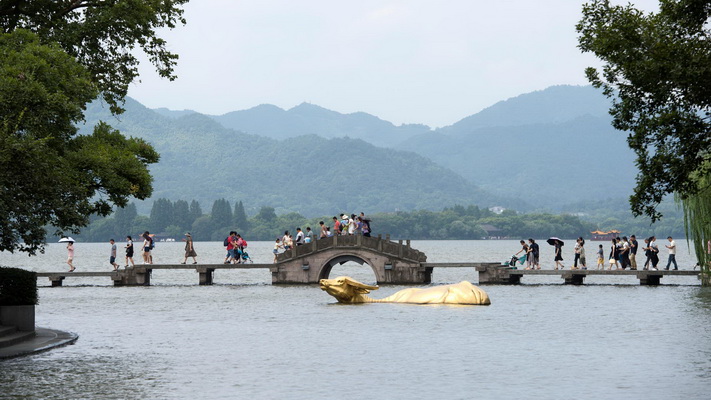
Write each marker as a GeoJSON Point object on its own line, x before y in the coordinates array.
{"type": "Point", "coordinates": [308, 119]}
{"type": "Point", "coordinates": [202, 160]}
{"type": "Point", "coordinates": [547, 148]}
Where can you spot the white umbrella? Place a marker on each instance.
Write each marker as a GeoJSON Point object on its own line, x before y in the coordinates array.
{"type": "Point", "coordinates": [66, 239]}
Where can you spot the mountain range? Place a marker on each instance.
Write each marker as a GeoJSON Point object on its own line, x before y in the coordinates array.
{"type": "Point", "coordinates": [312, 175]}
{"type": "Point", "coordinates": [541, 150]}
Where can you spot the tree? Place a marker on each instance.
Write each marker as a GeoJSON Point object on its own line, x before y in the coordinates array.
{"type": "Point", "coordinates": [658, 71]}
{"type": "Point", "coordinates": [124, 218]}
{"type": "Point", "coordinates": [49, 175]}
{"type": "Point", "coordinates": [240, 216]}
{"type": "Point", "coordinates": [221, 215]}
{"type": "Point", "coordinates": [181, 215]}
{"type": "Point", "coordinates": [161, 215]}
{"type": "Point", "coordinates": [101, 35]}
{"type": "Point", "coordinates": [195, 210]}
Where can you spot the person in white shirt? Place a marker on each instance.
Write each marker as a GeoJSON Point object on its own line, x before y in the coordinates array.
{"type": "Point", "coordinates": [672, 253]}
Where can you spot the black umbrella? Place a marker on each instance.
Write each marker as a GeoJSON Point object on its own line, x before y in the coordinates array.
{"type": "Point", "coordinates": [552, 241]}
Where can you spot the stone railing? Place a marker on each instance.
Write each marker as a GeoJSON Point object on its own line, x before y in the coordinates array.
{"type": "Point", "coordinates": [377, 244]}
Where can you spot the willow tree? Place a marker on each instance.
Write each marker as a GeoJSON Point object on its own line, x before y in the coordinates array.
{"type": "Point", "coordinates": [697, 221]}
{"type": "Point", "coordinates": [657, 69]}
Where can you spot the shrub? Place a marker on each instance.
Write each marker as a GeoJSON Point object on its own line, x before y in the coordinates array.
{"type": "Point", "coordinates": [18, 287]}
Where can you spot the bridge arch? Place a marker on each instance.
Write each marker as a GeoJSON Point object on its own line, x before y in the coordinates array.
{"type": "Point", "coordinates": [339, 259]}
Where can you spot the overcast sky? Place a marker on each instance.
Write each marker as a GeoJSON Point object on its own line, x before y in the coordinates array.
{"type": "Point", "coordinates": [409, 61]}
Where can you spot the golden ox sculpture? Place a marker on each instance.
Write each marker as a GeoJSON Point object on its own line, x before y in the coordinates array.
{"type": "Point", "coordinates": [348, 290]}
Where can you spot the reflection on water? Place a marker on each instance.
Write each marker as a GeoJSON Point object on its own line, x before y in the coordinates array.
{"type": "Point", "coordinates": [243, 338]}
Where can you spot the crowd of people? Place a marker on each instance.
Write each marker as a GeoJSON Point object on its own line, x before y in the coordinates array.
{"type": "Point", "coordinates": [622, 255]}
{"type": "Point", "coordinates": [345, 225]}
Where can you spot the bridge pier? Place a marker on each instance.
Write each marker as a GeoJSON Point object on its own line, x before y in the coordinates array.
{"type": "Point", "coordinates": [649, 278]}
{"type": "Point", "coordinates": [56, 280]}
{"type": "Point", "coordinates": [134, 276]}
{"type": "Point", "coordinates": [496, 274]}
{"type": "Point", "coordinates": [571, 278]}
{"type": "Point", "coordinates": [206, 275]}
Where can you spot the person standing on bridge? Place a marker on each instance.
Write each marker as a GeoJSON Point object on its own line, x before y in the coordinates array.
{"type": "Point", "coordinates": [189, 249]}
{"type": "Point", "coordinates": [112, 257]}
{"type": "Point", "coordinates": [324, 231]}
{"type": "Point", "coordinates": [277, 246]}
{"type": "Point", "coordinates": [299, 237]}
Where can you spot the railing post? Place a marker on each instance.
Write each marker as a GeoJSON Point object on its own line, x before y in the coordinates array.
{"type": "Point", "coordinates": [359, 240]}
{"type": "Point", "coordinates": [387, 236]}
{"type": "Point", "coordinates": [335, 240]}
{"type": "Point", "coordinates": [408, 243]}
{"type": "Point", "coordinates": [399, 248]}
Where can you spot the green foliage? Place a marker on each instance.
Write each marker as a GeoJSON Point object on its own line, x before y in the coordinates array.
{"type": "Point", "coordinates": [240, 216]}
{"type": "Point", "coordinates": [309, 174]}
{"type": "Point", "coordinates": [697, 223]}
{"type": "Point", "coordinates": [658, 70]}
{"type": "Point", "coordinates": [18, 287]}
{"type": "Point", "coordinates": [50, 175]}
{"type": "Point", "coordinates": [102, 35]}
{"type": "Point", "coordinates": [161, 215]}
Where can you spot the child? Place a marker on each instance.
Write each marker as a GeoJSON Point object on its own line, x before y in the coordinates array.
{"type": "Point", "coordinates": [277, 246]}
{"type": "Point", "coordinates": [112, 257]}
{"type": "Point", "coordinates": [600, 258]}
{"type": "Point", "coordinates": [129, 252]}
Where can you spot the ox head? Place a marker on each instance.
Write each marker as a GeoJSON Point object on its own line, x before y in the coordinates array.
{"type": "Point", "coordinates": [345, 289]}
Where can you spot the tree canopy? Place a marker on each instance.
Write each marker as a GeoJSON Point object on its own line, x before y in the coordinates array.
{"type": "Point", "coordinates": [55, 57]}
{"type": "Point", "coordinates": [102, 35]}
{"type": "Point", "coordinates": [657, 69]}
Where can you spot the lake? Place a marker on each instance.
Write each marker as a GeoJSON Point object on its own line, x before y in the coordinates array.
{"type": "Point", "coordinates": [244, 338]}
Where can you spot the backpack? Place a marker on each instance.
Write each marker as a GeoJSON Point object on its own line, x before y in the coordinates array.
{"type": "Point", "coordinates": [153, 243]}
{"type": "Point", "coordinates": [226, 242]}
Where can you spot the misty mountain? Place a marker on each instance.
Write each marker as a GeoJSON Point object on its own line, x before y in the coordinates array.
{"type": "Point", "coordinates": [548, 148]}
{"type": "Point", "coordinates": [202, 160]}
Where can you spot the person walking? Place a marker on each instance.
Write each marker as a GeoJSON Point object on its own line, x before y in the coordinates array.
{"type": "Point", "coordinates": [624, 253]}
{"type": "Point", "coordinates": [558, 255]}
{"type": "Point", "coordinates": [70, 256]}
{"type": "Point", "coordinates": [672, 253]}
{"type": "Point", "coordinates": [653, 253]}
{"type": "Point", "coordinates": [614, 255]}
{"type": "Point", "coordinates": [112, 257]}
{"type": "Point", "coordinates": [600, 257]}
{"type": "Point", "coordinates": [229, 246]}
{"type": "Point", "coordinates": [576, 252]}
{"type": "Point", "coordinates": [309, 237]}
{"type": "Point", "coordinates": [129, 252]}
{"type": "Point", "coordinates": [536, 252]}
{"type": "Point", "coordinates": [633, 252]}
{"type": "Point", "coordinates": [581, 252]}
{"type": "Point", "coordinates": [189, 249]}
{"type": "Point", "coordinates": [147, 245]}
{"type": "Point", "coordinates": [647, 254]}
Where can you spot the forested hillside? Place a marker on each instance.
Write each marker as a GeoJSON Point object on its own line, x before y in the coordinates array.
{"type": "Point", "coordinates": [203, 160]}
{"type": "Point", "coordinates": [546, 148]}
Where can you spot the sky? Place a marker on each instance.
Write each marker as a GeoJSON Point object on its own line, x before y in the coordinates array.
{"type": "Point", "coordinates": [409, 61]}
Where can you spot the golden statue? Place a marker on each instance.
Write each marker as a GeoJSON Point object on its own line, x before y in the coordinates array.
{"type": "Point", "coordinates": [348, 290]}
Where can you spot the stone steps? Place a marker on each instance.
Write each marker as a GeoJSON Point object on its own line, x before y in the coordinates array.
{"type": "Point", "coordinates": [9, 335]}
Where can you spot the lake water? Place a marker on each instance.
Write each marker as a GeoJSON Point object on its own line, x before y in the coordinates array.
{"type": "Point", "coordinates": [244, 338]}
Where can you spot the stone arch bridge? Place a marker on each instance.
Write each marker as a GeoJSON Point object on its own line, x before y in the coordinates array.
{"type": "Point", "coordinates": [392, 262]}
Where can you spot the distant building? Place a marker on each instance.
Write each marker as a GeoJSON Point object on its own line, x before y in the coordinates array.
{"type": "Point", "coordinates": [497, 210]}
{"type": "Point", "coordinates": [492, 232]}
{"type": "Point", "coordinates": [607, 235]}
